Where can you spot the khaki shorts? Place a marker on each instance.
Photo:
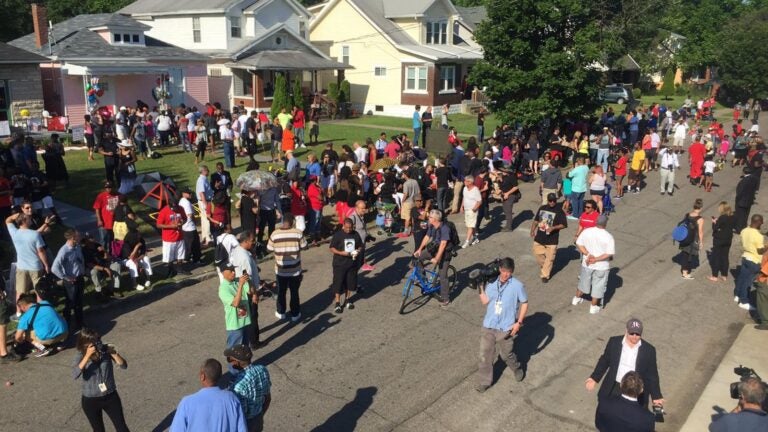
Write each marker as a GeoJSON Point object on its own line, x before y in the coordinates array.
{"type": "Point", "coordinates": [470, 218]}
{"type": "Point", "coordinates": [26, 280]}
{"type": "Point", "coordinates": [405, 210]}
{"type": "Point", "coordinates": [58, 339]}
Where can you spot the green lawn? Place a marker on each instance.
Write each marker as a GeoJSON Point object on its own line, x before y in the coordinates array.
{"type": "Point", "coordinates": [464, 123]}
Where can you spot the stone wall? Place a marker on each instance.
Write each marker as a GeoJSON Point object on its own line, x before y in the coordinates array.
{"type": "Point", "coordinates": [25, 89]}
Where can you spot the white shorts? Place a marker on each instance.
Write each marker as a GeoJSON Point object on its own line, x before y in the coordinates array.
{"type": "Point", "coordinates": [301, 224]}
{"type": "Point", "coordinates": [470, 218]}
{"type": "Point", "coordinates": [173, 251]}
{"type": "Point", "coordinates": [678, 142]}
{"type": "Point", "coordinates": [133, 270]}
{"type": "Point", "coordinates": [45, 203]}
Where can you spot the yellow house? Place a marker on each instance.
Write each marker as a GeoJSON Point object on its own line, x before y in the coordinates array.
{"type": "Point", "coordinates": [403, 52]}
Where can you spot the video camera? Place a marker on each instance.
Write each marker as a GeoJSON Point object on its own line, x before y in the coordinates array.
{"type": "Point", "coordinates": [745, 373]}
{"type": "Point", "coordinates": [481, 276]}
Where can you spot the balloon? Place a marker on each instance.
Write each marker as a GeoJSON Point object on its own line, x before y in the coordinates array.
{"type": "Point", "coordinates": [46, 114]}
{"type": "Point", "coordinates": [100, 93]}
{"type": "Point", "coordinates": [87, 87]}
{"type": "Point", "coordinates": [63, 120]}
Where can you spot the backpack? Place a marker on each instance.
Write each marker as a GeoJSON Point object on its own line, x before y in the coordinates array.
{"type": "Point", "coordinates": [685, 231]}
{"type": "Point", "coordinates": [454, 241]}
{"type": "Point", "coordinates": [221, 254]}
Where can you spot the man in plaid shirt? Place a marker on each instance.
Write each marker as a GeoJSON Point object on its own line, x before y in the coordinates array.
{"type": "Point", "coordinates": [251, 386]}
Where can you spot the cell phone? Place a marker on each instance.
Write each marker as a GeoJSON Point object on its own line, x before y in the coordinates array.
{"type": "Point", "coordinates": [245, 272]}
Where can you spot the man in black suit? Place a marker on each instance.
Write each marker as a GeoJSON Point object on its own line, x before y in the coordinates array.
{"type": "Point", "coordinates": [222, 180]}
{"type": "Point", "coordinates": [624, 354]}
{"type": "Point", "coordinates": [745, 196]}
{"type": "Point", "coordinates": [623, 413]}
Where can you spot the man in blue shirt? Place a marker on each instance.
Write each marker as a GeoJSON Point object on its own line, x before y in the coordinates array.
{"type": "Point", "coordinates": [416, 125]}
{"type": "Point", "coordinates": [39, 324]}
{"type": "Point", "coordinates": [501, 324]}
{"type": "Point", "coordinates": [748, 414]}
{"type": "Point", "coordinates": [31, 259]}
{"type": "Point", "coordinates": [69, 266]}
{"type": "Point", "coordinates": [211, 408]}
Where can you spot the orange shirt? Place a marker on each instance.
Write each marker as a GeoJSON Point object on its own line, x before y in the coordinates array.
{"type": "Point", "coordinates": [288, 143]}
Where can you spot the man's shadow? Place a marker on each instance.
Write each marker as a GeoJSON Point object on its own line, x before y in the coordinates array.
{"type": "Point", "coordinates": [347, 417]}
{"type": "Point", "coordinates": [537, 333]}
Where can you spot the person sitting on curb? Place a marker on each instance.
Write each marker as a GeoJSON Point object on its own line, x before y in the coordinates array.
{"type": "Point", "coordinates": [40, 324]}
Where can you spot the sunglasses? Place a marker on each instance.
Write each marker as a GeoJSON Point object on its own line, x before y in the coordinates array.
{"type": "Point", "coordinates": [634, 334]}
{"type": "Point", "coordinates": [588, 207]}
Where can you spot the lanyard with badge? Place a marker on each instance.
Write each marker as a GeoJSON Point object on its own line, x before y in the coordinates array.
{"type": "Point", "coordinates": [497, 307]}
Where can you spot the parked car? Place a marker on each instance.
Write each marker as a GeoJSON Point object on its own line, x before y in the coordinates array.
{"type": "Point", "coordinates": [616, 94]}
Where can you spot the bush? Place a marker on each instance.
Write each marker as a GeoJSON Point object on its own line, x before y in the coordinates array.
{"type": "Point", "coordinates": [668, 86]}
{"type": "Point", "coordinates": [636, 93]}
{"type": "Point", "coordinates": [280, 99]}
{"type": "Point", "coordinates": [298, 95]}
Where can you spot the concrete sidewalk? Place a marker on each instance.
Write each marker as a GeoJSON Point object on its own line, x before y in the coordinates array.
{"type": "Point", "coordinates": [749, 350]}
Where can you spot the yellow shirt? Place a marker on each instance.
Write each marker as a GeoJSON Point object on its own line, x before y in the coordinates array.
{"type": "Point", "coordinates": [751, 241]}
{"type": "Point", "coordinates": [584, 146]}
{"type": "Point", "coordinates": [637, 159]}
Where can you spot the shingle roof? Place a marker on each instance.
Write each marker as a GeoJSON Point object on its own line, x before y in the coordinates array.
{"type": "Point", "coordinates": [472, 16]}
{"type": "Point", "coordinates": [148, 7]}
{"type": "Point", "coordinates": [405, 8]}
{"type": "Point", "coordinates": [74, 40]}
{"type": "Point", "coordinates": [11, 55]}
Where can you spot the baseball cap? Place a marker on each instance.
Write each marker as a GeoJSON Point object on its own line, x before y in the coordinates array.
{"type": "Point", "coordinates": [226, 266]}
{"type": "Point", "coordinates": [634, 325]}
{"type": "Point", "coordinates": [239, 352]}
{"type": "Point", "coordinates": [552, 197]}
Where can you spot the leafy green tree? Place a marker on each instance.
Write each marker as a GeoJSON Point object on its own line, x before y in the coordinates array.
{"type": "Point", "coordinates": [469, 3]}
{"type": "Point", "coordinates": [281, 98]}
{"type": "Point", "coordinates": [298, 94]}
{"type": "Point", "coordinates": [344, 96]}
{"type": "Point", "coordinates": [668, 86]}
{"type": "Point", "coordinates": [743, 58]}
{"type": "Point", "coordinates": [60, 10]}
{"type": "Point", "coordinates": [16, 17]}
{"type": "Point", "coordinates": [539, 59]}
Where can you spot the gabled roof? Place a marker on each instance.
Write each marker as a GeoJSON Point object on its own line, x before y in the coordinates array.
{"type": "Point", "coordinates": [73, 40]}
{"type": "Point", "coordinates": [406, 8]}
{"type": "Point", "coordinates": [11, 55]}
{"type": "Point", "coordinates": [472, 16]}
{"type": "Point", "coordinates": [374, 12]}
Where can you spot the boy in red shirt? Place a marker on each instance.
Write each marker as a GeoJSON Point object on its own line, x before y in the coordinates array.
{"type": "Point", "coordinates": [169, 221]}
{"type": "Point", "coordinates": [620, 171]}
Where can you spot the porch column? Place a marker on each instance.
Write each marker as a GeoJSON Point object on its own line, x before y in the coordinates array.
{"type": "Point", "coordinates": [258, 89]}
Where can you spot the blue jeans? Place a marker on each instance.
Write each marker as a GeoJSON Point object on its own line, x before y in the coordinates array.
{"type": "Point", "coordinates": [577, 203]}
{"type": "Point", "coordinates": [105, 238]}
{"type": "Point", "coordinates": [315, 217]}
{"type": "Point", "coordinates": [300, 135]}
{"type": "Point", "coordinates": [632, 137]}
{"type": "Point", "coordinates": [602, 158]}
{"type": "Point", "coordinates": [745, 278]}
{"type": "Point", "coordinates": [229, 154]}
{"type": "Point", "coordinates": [480, 133]}
{"type": "Point", "coordinates": [416, 135]}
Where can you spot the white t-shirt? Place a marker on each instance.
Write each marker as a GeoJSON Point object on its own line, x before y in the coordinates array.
{"type": "Point", "coordinates": [655, 140]}
{"type": "Point", "coordinates": [226, 133]}
{"type": "Point", "coordinates": [189, 225]}
{"type": "Point", "coordinates": [597, 241]}
{"type": "Point", "coordinates": [164, 123]}
{"type": "Point", "coordinates": [471, 198]}
{"type": "Point", "coordinates": [360, 154]}
{"type": "Point", "coordinates": [709, 167]}
{"type": "Point", "coordinates": [191, 122]}
{"type": "Point", "coordinates": [681, 130]}
{"type": "Point", "coordinates": [229, 240]}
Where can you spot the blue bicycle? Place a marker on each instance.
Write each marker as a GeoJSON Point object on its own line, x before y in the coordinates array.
{"type": "Point", "coordinates": [428, 281]}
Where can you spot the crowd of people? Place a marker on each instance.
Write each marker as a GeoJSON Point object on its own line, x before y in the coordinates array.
{"type": "Point", "coordinates": [576, 167]}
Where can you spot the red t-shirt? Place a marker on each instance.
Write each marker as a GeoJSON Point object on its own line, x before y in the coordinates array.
{"type": "Point", "coordinates": [298, 119]}
{"type": "Point", "coordinates": [392, 150]}
{"type": "Point", "coordinates": [105, 204]}
{"type": "Point", "coordinates": [298, 204]}
{"type": "Point", "coordinates": [588, 220]}
{"type": "Point", "coordinates": [170, 216]}
{"type": "Point", "coordinates": [315, 195]}
{"type": "Point", "coordinates": [621, 166]}
{"type": "Point", "coordinates": [5, 186]}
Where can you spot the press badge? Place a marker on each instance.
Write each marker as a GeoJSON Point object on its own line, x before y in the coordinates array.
{"type": "Point", "coordinates": [497, 307]}
{"type": "Point", "coordinates": [103, 387]}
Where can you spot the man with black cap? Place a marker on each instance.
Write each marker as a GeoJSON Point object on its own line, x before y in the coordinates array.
{"type": "Point", "coordinates": [623, 354]}
{"type": "Point", "coordinates": [545, 230]}
{"type": "Point", "coordinates": [251, 385]}
{"type": "Point", "coordinates": [597, 248]}
{"type": "Point", "coordinates": [510, 195]}
{"type": "Point", "coordinates": [234, 296]}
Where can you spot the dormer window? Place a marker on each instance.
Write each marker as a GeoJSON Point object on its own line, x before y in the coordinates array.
{"type": "Point", "coordinates": [126, 38]}
{"type": "Point", "coordinates": [235, 30]}
{"type": "Point", "coordinates": [437, 32]}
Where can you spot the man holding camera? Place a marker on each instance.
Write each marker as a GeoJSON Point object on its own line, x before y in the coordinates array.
{"type": "Point", "coordinates": [502, 323]}
{"type": "Point", "coordinates": [748, 414]}
{"type": "Point", "coordinates": [669, 163]}
{"type": "Point", "coordinates": [436, 249]}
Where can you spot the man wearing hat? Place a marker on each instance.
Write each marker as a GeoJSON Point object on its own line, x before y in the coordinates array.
{"type": "Point", "coordinates": [545, 230]}
{"type": "Point", "coordinates": [597, 248]}
{"type": "Point", "coordinates": [234, 296]}
{"type": "Point", "coordinates": [251, 385]}
{"type": "Point", "coordinates": [192, 253]}
{"type": "Point", "coordinates": [170, 221]}
{"type": "Point", "coordinates": [104, 206]}
{"type": "Point", "coordinates": [510, 194]}
{"type": "Point", "coordinates": [624, 354]}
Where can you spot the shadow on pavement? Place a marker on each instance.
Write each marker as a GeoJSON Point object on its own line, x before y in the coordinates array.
{"type": "Point", "coordinates": [346, 418]}
{"type": "Point", "coordinates": [563, 256]}
{"type": "Point", "coordinates": [537, 334]}
{"type": "Point", "coordinates": [614, 282]}
{"type": "Point", "coordinates": [312, 329]}
{"type": "Point", "coordinates": [165, 423]}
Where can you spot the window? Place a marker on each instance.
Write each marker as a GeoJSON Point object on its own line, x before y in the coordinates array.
{"type": "Point", "coordinates": [234, 27]}
{"type": "Point", "coordinates": [436, 32]}
{"type": "Point", "coordinates": [135, 38]}
{"type": "Point", "coordinates": [345, 54]}
{"type": "Point", "coordinates": [196, 34]}
{"type": "Point", "coordinates": [117, 37]}
{"type": "Point", "coordinates": [243, 82]}
{"type": "Point", "coordinates": [447, 78]}
{"type": "Point", "coordinates": [303, 29]}
{"type": "Point", "coordinates": [379, 71]}
{"type": "Point", "coordinates": [416, 78]}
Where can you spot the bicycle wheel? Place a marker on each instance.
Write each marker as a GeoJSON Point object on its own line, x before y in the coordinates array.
{"type": "Point", "coordinates": [407, 294]}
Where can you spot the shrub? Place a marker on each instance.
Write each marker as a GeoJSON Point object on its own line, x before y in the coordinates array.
{"type": "Point", "coordinates": [281, 99]}
{"type": "Point", "coordinates": [636, 93]}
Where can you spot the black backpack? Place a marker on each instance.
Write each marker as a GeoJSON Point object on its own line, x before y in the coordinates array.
{"type": "Point", "coordinates": [454, 240]}
{"type": "Point", "coordinates": [221, 254]}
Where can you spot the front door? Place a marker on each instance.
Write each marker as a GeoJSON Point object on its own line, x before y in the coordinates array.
{"type": "Point", "coordinates": [175, 86]}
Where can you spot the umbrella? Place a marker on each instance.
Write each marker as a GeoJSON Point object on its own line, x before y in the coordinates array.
{"type": "Point", "coordinates": [383, 163]}
{"type": "Point", "coordinates": [256, 180]}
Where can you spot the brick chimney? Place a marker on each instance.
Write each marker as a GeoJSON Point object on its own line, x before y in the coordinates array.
{"type": "Point", "coordinates": [40, 23]}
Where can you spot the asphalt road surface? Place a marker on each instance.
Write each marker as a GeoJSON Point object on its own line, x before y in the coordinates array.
{"type": "Point", "coordinates": [372, 369]}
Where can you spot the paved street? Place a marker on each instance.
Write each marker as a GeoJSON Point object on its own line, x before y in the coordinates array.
{"type": "Point", "coordinates": [371, 369]}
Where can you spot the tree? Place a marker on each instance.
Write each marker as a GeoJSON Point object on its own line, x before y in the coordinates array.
{"type": "Point", "coordinates": [280, 99]}
{"type": "Point", "coordinates": [298, 94]}
{"type": "Point", "coordinates": [743, 58]}
{"type": "Point", "coordinates": [343, 99]}
{"type": "Point", "coordinates": [16, 19]}
{"type": "Point", "coordinates": [333, 95]}
{"type": "Point", "coordinates": [668, 86]}
{"type": "Point", "coordinates": [539, 59]}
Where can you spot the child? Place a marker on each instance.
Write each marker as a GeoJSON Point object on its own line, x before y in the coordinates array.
{"type": "Point", "coordinates": [709, 173]}
{"type": "Point", "coordinates": [725, 147]}
{"type": "Point", "coordinates": [635, 173]}
{"type": "Point", "coordinates": [620, 171]}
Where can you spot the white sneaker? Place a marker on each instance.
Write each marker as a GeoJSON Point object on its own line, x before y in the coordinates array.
{"type": "Point", "coordinates": [746, 306]}
{"type": "Point", "coordinates": [594, 309]}
{"type": "Point", "coordinates": [576, 300]}
{"type": "Point", "coordinates": [147, 285]}
{"type": "Point", "coordinates": [279, 316]}
{"type": "Point", "coordinates": [139, 287]}
{"type": "Point", "coordinates": [465, 245]}
{"type": "Point", "coordinates": [296, 318]}
{"type": "Point", "coordinates": [735, 299]}
{"type": "Point", "coordinates": [475, 241]}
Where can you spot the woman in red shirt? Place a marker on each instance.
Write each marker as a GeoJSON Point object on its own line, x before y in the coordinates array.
{"type": "Point", "coordinates": [316, 199]}
{"type": "Point", "coordinates": [588, 218]}
{"type": "Point", "coordinates": [620, 170]}
{"type": "Point", "coordinates": [298, 205]}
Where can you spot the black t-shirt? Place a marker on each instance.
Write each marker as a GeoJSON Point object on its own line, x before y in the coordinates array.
{"type": "Point", "coordinates": [92, 256]}
{"type": "Point", "coordinates": [480, 119]}
{"type": "Point", "coordinates": [39, 184]}
{"type": "Point", "coordinates": [251, 124]}
{"type": "Point", "coordinates": [508, 182]}
{"type": "Point", "coordinates": [121, 212]}
{"type": "Point", "coordinates": [332, 155]}
{"type": "Point", "coordinates": [247, 218]}
{"type": "Point", "coordinates": [110, 146]}
{"type": "Point", "coordinates": [418, 225]}
{"type": "Point", "coordinates": [443, 175]}
{"type": "Point", "coordinates": [345, 242]}
{"type": "Point", "coordinates": [548, 216]}
{"type": "Point", "coordinates": [131, 240]}
{"type": "Point", "coordinates": [426, 120]}
{"type": "Point", "coordinates": [475, 165]}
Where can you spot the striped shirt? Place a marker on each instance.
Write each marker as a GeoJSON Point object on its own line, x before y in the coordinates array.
{"type": "Point", "coordinates": [287, 245]}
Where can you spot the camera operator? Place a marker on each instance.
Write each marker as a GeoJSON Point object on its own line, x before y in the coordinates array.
{"type": "Point", "coordinates": [502, 323]}
{"type": "Point", "coordinates": [435, 248]}
{"type": "Point", "coordinates": [748, 415]}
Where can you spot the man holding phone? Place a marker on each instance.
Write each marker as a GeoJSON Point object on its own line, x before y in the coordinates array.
{"type": "Point", "coordinates": [234, 296]}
